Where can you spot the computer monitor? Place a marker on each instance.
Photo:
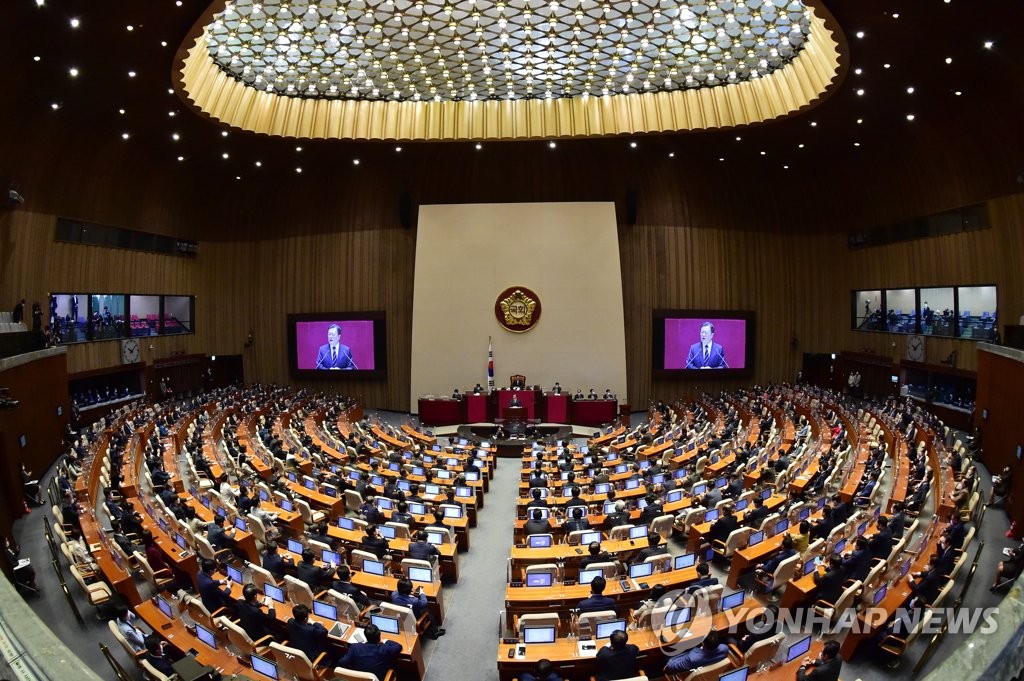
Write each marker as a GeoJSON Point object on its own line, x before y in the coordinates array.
{"type": "Point", "coordinates": [590, 537]}
{"type": "Point", "coordinates": [755, 538]}
{"type": "Point", "coordinates": [432, 489]}
{"type": "Point", "coordinates": [435, 538]}
{"type": "Point", "coordinates": [798, 649]}
{"type": "Point", "coordinates": [765, 494]}
{"type": "Point", "coordinates": [821, 503]}
{"type": "Point", "coordinates": [373, 567]}
{"type": "Point", "coordinates": [206, 636]}
{"type": "Point", "coordinates": [452, 511]}
{"type": "Point", "coordinates": [641, 570]}
{"type": "Point", "coordinates": [164, 606]}
{"type": "Point", "coordinates": [711, 515]}
{"type": "Point", "coordinates": [417, 470]}
{"type": "Point", "coordinates": [376, 480]}
{"type": "Point", "coordinates": [602, 487]}
{"type": "Point", "coordinates": [205, 501]}
{"type": "Point", "coordinates": [295, 546]}
{"type": "Point", "coordinates": [804, 514]}
{"type": "Point", "coordinates": [331, 558]}
{"type": "Point", "coordinates": [264, 495]}
{"type": "Point", "coordinates": [880, 594]}
{"type": "Point", "coordinates": [699, 490]}
{"type": "Point", "coordinates": [472, 476]}
{"type": "Point", "coordinates": [905, 568]}
{"type": "Point", "coordinates": [674, 495]}
{"type": "Point", "coordinates": [416, 508]}
{"type": "Point", "coordinates": [274, 592]}
{"type": "Point", "coordinates": [354, 475]}
{"type": "Point", "coordinates": [309, 484]}
{"type": "Point", "coordinates": [386, 532]}
{"type": "Point", "coordinates": [809, 567]}
{"type": "Point", "coordinates": [443, 474]}
{"type": "Point", "coordinates": [862, 528]}
{"type": "Point", "coordinates": [163, 524]}
{"type": "Point", "coordinates": [641, 504]}
{"type": "Point", "coordinates": [539, 541]}
{"type": "Point", "coordinates": [742, 504]}
{"type": "Point", "coordinates": [609, 507]}
{"type": "Point", "coordinates": [539, 635]}
{"type": "Point", "coordinates": [287, 505]}
{"type": "Point", "coordinates": [240, 524]}
{"type": "Point", "coordinates": [657, 479]}
{"type": "Point", "coordinates": [539, 579]}
{"type": "Point", "coordinates": [638, 531]}
{"type": "Point", "coordinates": [680, 473]}
{"type": "Point", "coordinates": [404, 485]}
{"type": "Point", "coordinates": [677, 616]}
{"type": "Point", "coordinates": [234, 574]}
{"type": "Point", "coordinates": [394, 466]}
{"type": "Point", "coordinates": [587, 576]}
{"type": "Point", "coordinates": [388, 625]}
{"type": "Point", "coordinates": [721, 482]}
{"type": "Point", "coordinates": [684, 561]}
{"type": "Point", "coordinates": [451, 461]}
{"type": "Point", "coordinates": [293, 477]}
{"type": "Point", "coordinates": [781, 526]}
{"type": "Point", "coordinates": [840, 547]}
{"type": "Point", "coordinates": [733, 600]}
{"type": "Point", "coordinates": [606, 629]}
{"type": "Point", "coordinates": [346, 524]}
{"type": "Point", "coordinates": [421, 574]}
{"type": "Point", "coordinates": [220, 512]}
{"type": "Point", "coordinates": [325, 610]}
{"type": "Point", "coordinates": [735, 675]}
{"type": "Point", "coordinates": [264, 666]}
{"type": "Point", "coordinates": [180, 541]}
{"type": "Point", "coordinates": [544, 512]}
{"type": "Point", "coordinates": [383, 503]}
{"type": "Point", "coordinates": [464, 492]}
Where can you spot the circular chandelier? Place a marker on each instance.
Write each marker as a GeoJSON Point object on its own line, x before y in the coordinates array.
{"type": "Point", "coordinates": [468, 50]}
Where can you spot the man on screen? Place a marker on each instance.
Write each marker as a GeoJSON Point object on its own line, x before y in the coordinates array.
{"type": "Point", "coordinates": [706, 354]}
{"type": "Point", "coordinates": [334, 355]}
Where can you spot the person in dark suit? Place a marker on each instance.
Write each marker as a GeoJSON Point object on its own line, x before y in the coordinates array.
{"type": "Point", "coordinates": [898, 521]}
{"type": "Point", "coordinates": [542, 671]}
{"type": "Point", "coordinates": [216, 535]}
{"type": "Point", "coordinates": [880, 545]}
{"type": "Point", "coordinates": [374, 543]}
{"type": "Point", "coordinates": [334, 355]}
{"type": "Point", "coordinates": [755, 516]}
{"type": "Point", "coordinates": [772, 564]}
{"type": "Point", "coordinates": [858, 563]}
{"type": "Point", "coordinates": [763, 627]}
{"type": "Point", "coordinates": [309, 637]}
{"type": "Point", "coordinates": [956, 532]}
{"type": "Point", "coordinates": [596, 556]}
{"type": "Point", "coordinates": [575, 498]}
{"type": "Point", "coordinates": [652, 510]}
{"type": "Point", "coordinates": [316, 577]}
{"type": "Point", "coordinates": [597, 600]}
{"type": "Point", "coordinates": [155, 649]}
{"type": "Point", "coordinates": [421, 549]}
{"type": "Point", "coordinates": [556, 388]}
{"type": "Point", "coordinates": [343, 585]}
{"type": "Point", "coordinates": [373, 656]}
{"type": "Point", "coordinates": [272, 560]}
{"type": "Point", "coordinates": [709, 652]}
{"type": "Point", "coordinates": [830, 584]}
{"type": "Point", "coordinates": [704, 579]}
{"type": "Point", "coordinates": [724, 526]}
{"type": "Point", "coordinates": [417, 600]}
{"type": "Point", "coordinates": [654, 548]}
{"type": "Point", "coordinates": [706, 354]}
{"type": "Point", "coordinates": [214, 597]}
{"type": "Point", "coordinates": [578, 521]}
{"type": "Point", "coordinates": [617, 660]}
{"type": "Point", "coordinates": [619, 517]}
{"type": "Point", "coordinates": [825, 668]}
{"type": "Point", "coordinates": [250, 613]}
{"type": "Point", "coordinates": [537, 524]}
{"type": "Point", "coordinates": [929, 583]}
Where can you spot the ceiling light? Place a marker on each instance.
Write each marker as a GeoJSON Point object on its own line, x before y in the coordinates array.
{"type": "Point", "coordinates": [479, 146]}
{"type": "Point", "coordinates": [910, 117]}
{"type": "Point", "coordinates": [895, 15]}
{"type": "Point", "coordinates": [55, 106]}
{"type": "Point", "coordinates": [763, 153]}
{"type": "Point", "coordinates": [859, 121]}
{"type": "Point", "coordinates": [163, 43]}
{"type": "Point", "coordinates": [800, 146]}
{"type": "Point", "coordinates": [225, 156]}
{"type": "Point", "coordinates": [129, 28]}
{"type": "Point", "coordinates": [121, 111]}
{"type": "Point", "coordinates": [40, 3]}
{"type": "Point", "coordinates": [858, 71]}
{"type": "Point", "coordinates": [73, 72]}
{"type": "Point", "coordinates": [355, 161]}
{"type": "Point", "coordinates": [36, 58]}
{"type": "Point", "coordinates": [949, 60]}
{"type": "Point", "coordinates": [552, 145]}
{"type": "Point", "coordinates": [814, 124]}
{"type": "Point", "coordinates": [860, 34]}
{"type": "Point", "coordinates": [671, 154]}
{"type": "Point", "coordinates": [957, 93]}
{"type": "Point", "coordinates": [175, 137]}
{"type": "Point", "coordinates": [298, 170]}
{"type": "Point", "coordinates": [131, 74]}
{"type": "Point", "coordinates": [259, 164]}
{"type": "Point", "coordinates": [125, 135]}
{"type": "Point", "coordinates": [632, 145]}
{"type": "Point", "coordinates": [989, 44]}
{"type": "Point", "coordinates": [886, 66]}
{"type": "Point", "coordinates": [181, 158]}
{"type": "Point", "coordinates": [238, 177]}
{"type": "Point", "coordinates": [910, 90]}
{"type": "Point", "coordinates": [785, 167]}
{"type": "Point", "coordinates": [856, 144]}
{"type": "Point", "coordinates": [860, 92]}
{"type": "Point", "coordinates": [296, 148]}
{"type": "Point", "coordinates": [721, 158]}
{"type": "Point", "coordinates": [75, 22]}
{"type": "Point", "coordinates": [170, 91]}
{"type": "Point", "coordinates": [738, 138]}
{"type": "Point", "coordinates": [398, 148]}
{"type": "Point", "coordinates": [223, 133]}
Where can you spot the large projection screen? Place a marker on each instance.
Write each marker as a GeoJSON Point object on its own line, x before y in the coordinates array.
{"type": "Point", "coordinates": [567, 253]}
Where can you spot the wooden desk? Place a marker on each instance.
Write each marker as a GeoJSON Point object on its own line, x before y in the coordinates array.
{"type": "Point", "coordinates": [175, 632]}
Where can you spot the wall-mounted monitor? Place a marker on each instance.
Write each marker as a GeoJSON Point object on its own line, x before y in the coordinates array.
{"type": "Point", "coordinates": [339, 345]}
{"type": "Point", "coordinates": [695, 342]}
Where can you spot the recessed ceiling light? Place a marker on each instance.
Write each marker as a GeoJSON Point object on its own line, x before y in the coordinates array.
{"type": "Point", "coordinates": [738, 138]}
{"type": "Point", "coordinates": [671, 154]}
{"type": "Point", "coordinates": [949, 60]}
{"type": "Point", "coordinates": [860, 92]}
{"type": "Point", "coordinates": [75, 23]}
{"type": "Point", "coordinates": [129, 28]}
{"type": "Point", "coordinates": [632, 145]}
{"type": "Point", "coordinates": [479, 146]}
{"type": "Point", "coordinates": [55, 106]}
{"type": "Point", "coordinates": [125, 135]}
{"type": "Point", "coordinates": [957, 93]}
{"type": "Point", "coordinates": [238, 177]}
{"type": "Point", "coordinates": [40, 3]}
{"type": "Point", "coordinates": [181, 158]}
{"type": "Point", "coordinates": [131, 74]}
{"type": "Point", "coordinates": [814, 124]}
{"type": "Point", "coordinates": [398, 148]}
{"type": "Point", "coordinates": [785, 167]}
{"type": "Point", "coordinates": [910, 117]}
{"type": "Point", "coordinates": [856, 144]}
{"type": "Point", "coordinates": [223, 133]}
{"type": "Point", "coordinates": [121, 111]}
{"type": "Point", "coordinates": [858, 71]}
{"type": "Point", "coordinates": [800, 146]}
{"type": "Point", "coordinates": [170, 91]}
{"type": "Point", "coordinates": [259, 164]}
{"type": "Point", "coordinates": [298, 170]}
{"type": "Point", "coordinates": [296, 148]}
{"type": "Point", "coordinates": [36, 58]}
{"type": "Point", "coordinates": [860, 34]}
{"type": "Point", "coordinates": [552, 145]}
{"type": "Point", "coordinates": [895, 15]}
{"type": "Point", "coordinates": [171, 114]}
{"type": "Point", "coordinates": [163, 43]}
{"type": "Point", "coordinates": [178, 3]}
{"type": "Point", "coordinates": [721, 158]}
{"type": "Point", "coordinates": [886, 66]}
{"type": "Point", "coordinates": [859, 121]}
{"type": "Point", "coordinates": [355, 161]}
{"type": "Point", "coordinates": [989, 44]}
{"type": "Point", "coordinates": [175, 137]}
{"type": "Point", "coordinates": [225, 155]}
{"type": "Point", "coordinates": [73, 72]}
{"type": "Point", "coordinates": [910, 90]}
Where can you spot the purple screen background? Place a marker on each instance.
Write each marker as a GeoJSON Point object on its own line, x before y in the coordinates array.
{"type": "Point", "coordinates": [357, 335]}
{"type": "Point", "coordinates": [680, 334]}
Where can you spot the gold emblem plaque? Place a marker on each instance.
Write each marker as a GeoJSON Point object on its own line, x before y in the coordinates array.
{"type": "Point", "coordinates": [517, 309]}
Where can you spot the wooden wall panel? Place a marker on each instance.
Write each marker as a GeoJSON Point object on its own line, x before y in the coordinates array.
{"type": "Point", "coordinates": [1001, 391]}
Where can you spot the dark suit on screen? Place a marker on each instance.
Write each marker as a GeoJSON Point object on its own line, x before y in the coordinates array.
{"type": "Point", "coordinates": [324, 360]}
{"type": "Point", "coordinates": [716, 357]}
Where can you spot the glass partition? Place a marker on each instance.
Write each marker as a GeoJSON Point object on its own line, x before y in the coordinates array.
{"type": "Point", "coordinates": [977, 312]}
{"type": "Point", "coordinates": [107, 316]}
{"type": "Point", "coordinates": [145, 315]}
{"type": "Point", "coordinates": [938, 307]}
{"type": "Point", "coordinates": [901, 310]}
{"type": "Point", "coordinates": [867, 310]}
{"type": "Point", "coordinates": [177, 314]}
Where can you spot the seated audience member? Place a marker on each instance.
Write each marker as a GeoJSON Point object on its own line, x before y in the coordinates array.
{"type": "Point", "coordinates": [1009, 568]}
{"type": "Point", "coordinates": [417, 600]}
{"type": "Point", "coordinates": [136, 637]}
{"type": "Point", "coordinates": [596, 556]}
{"type": "Point", "coordinates": [707, 653]}
{"type": "Point", "coordinates": [374, 543]}
{"type": "Point", "coordinates": [421, 549]}
{"type": "Point", "coordinates": [880, 545]}
{"type": "Point", "coordinates": [769, 567]}
{"type": "Point", "coordinates": [618, 518]}
{"type": "Point", "coordinates": [273, 562]}
{"type": "Point", "coordinates": [597, 600]}
{"type": "Point", "coordinates": [617, 660]}
{"type": "Point", "coordinates": [543, 671]}
{"type": "Point", "coordinates": [830, 585]}
{"type": "Point", "coordinates": [214, 597]}
{"type": "Point", "coordinates": [537, 524]}
{"type": "Point", "coordinates": [309, 637]}
{"type": "Point", "coordinates": [343, 585]}
{"type": "Point", "coordinates": [825, 668]}
{"type": "Point", "coordinates": [156, 655]}
{"type": "Point", "coordinates": [763, 627]}
{"type": "Point", "coordinates": [318, 578]}
{"type": "Point", "coordinates": [724, 526]}
{"type": "Point", "coordinates": [704, 579]}
{"type": "Point", "coordinates": [654, 548]}
{"type": "Point", "coordinates": [251, 616]}
{"type": "Point", "coordinates": [373, 656]}
{"type": "Point", "coordinates": [578, 520]}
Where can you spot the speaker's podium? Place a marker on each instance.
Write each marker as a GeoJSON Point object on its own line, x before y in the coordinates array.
{"type": "Point", "coordinates": [516, 414]}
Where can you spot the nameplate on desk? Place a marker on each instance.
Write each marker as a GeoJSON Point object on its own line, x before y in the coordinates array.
{"type": "Point", "coordinates": [510, 641]}
{"type": "Point", "coordinates": [587, 648]}
{"type": "Point", "coordinates": [95, 548]}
